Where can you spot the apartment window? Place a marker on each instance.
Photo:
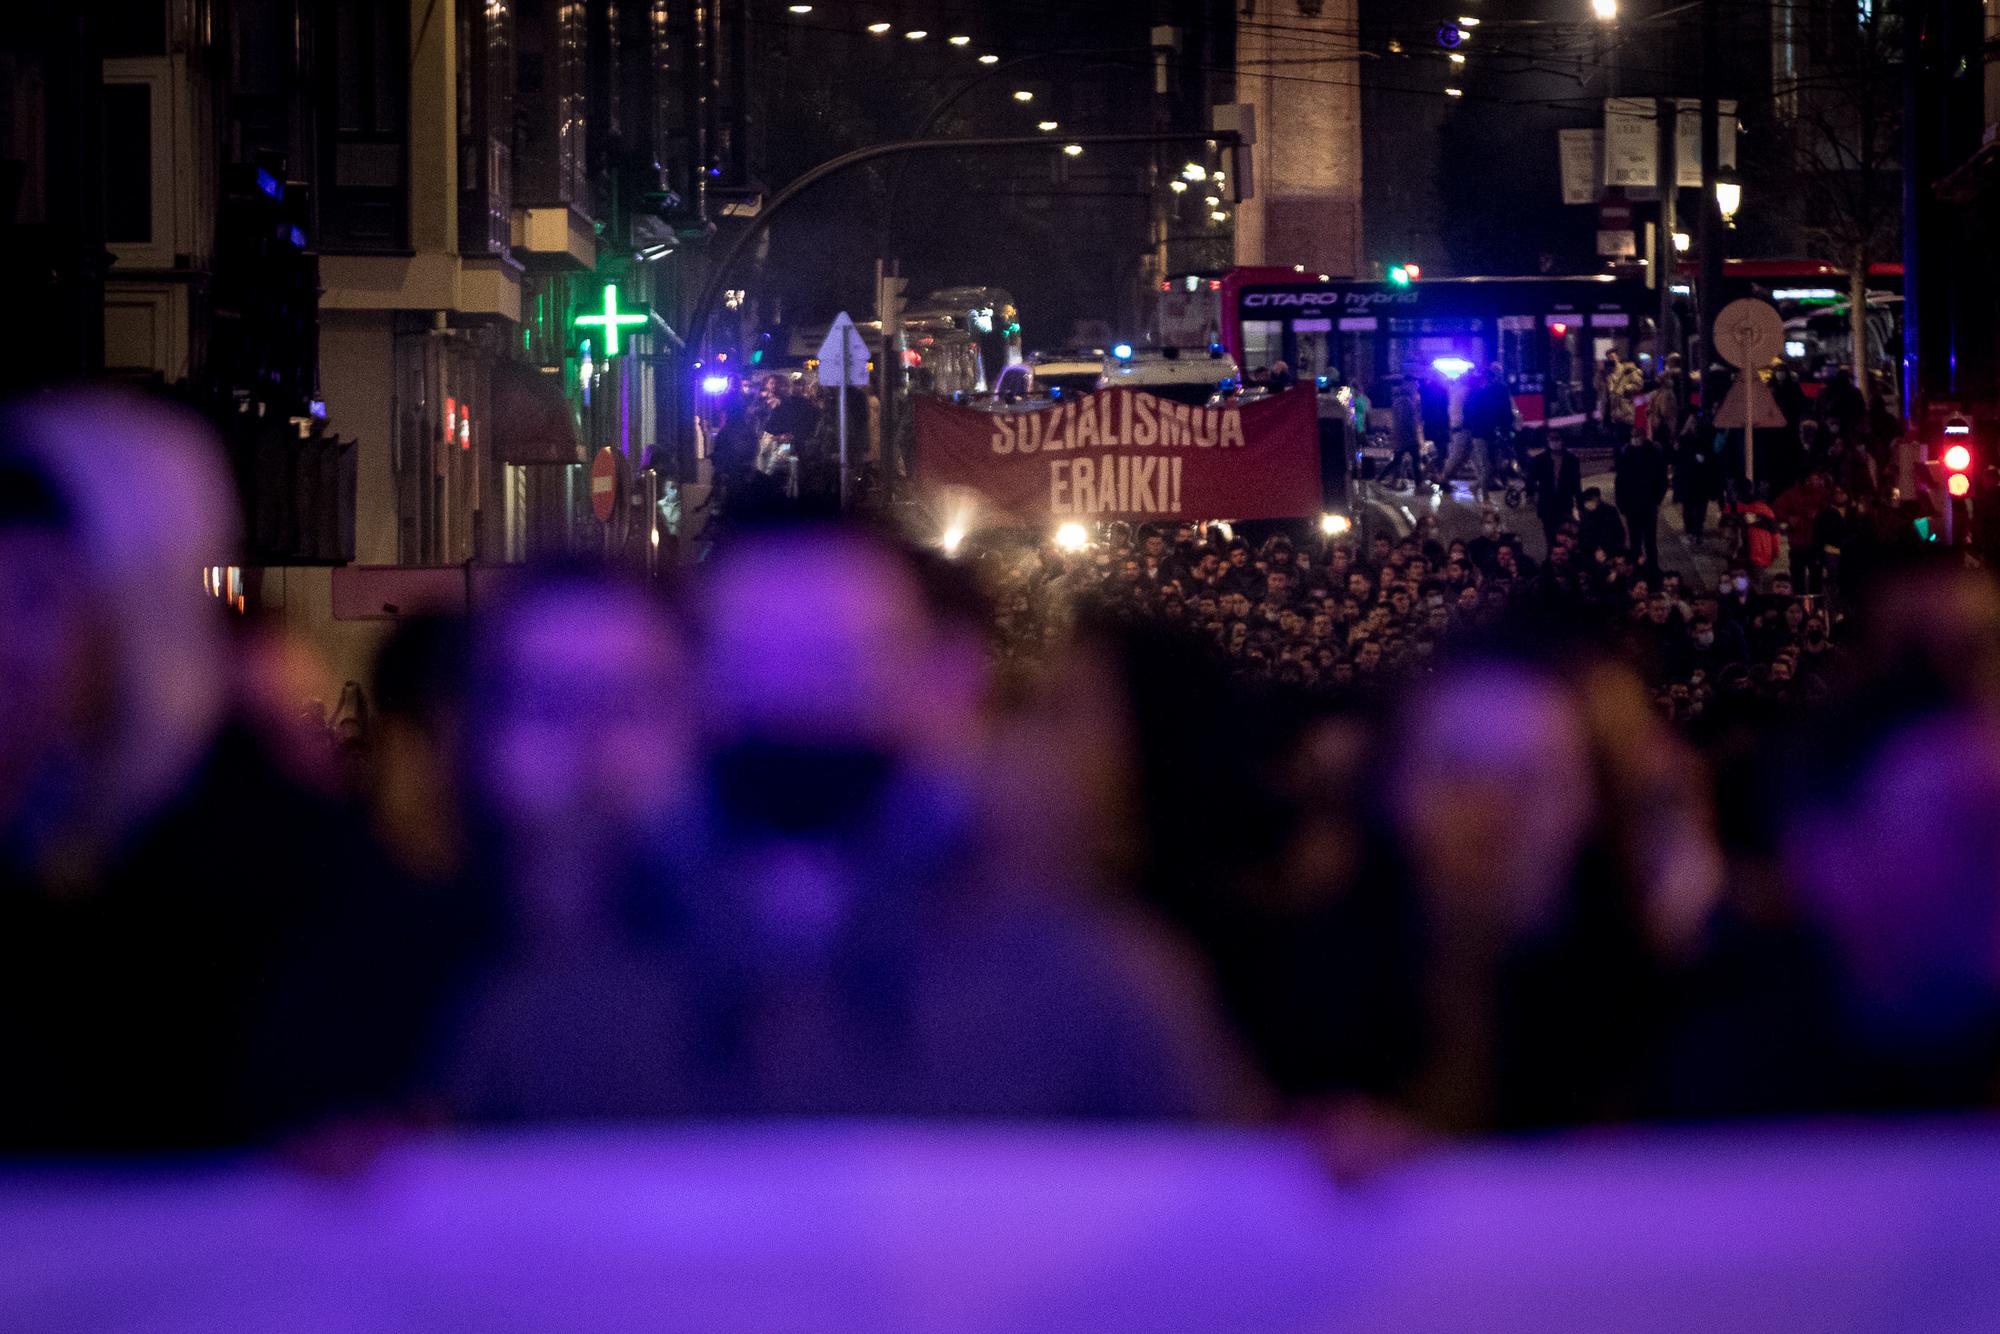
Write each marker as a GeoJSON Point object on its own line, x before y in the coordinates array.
{"type": "Point", "coordinates": [485, 126]}
{"type": "Point", "coordinates": [550, 162]}
{"type": "Point", "coordinates": [365, 200]}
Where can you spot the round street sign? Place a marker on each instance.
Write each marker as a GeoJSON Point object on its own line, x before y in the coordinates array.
{"type": "Point", "coordinates": [1748, 333]}
{"type": "Point", "coordinates": [603, 484]}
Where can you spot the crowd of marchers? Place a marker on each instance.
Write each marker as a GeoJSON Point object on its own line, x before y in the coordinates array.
{"type": "Point", "coordinates": [793, 838]}
{"type": "Point", "coordinates": [1344, 619]}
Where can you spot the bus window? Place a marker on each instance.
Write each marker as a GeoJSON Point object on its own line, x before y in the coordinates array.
{"type": "Point", "coordinates": [1415, 344]}
{"type": "Point", "coordinates": [1566, 379]}
{"type": "Point", "coordinates": [1312, 351]}
{"type": "Point", "coordinates": [1355, 354]}
{"type": "Point", "coordinates": [1521, 354]}
{"type": "Point", "coordinates": [1263, 343]}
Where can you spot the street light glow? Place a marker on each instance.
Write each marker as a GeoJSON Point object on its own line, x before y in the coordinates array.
{"type": "Point", "coordinates": [917, 34]}
{"type": "Point", "coordinates": [1179, 187]}
{"type": "Point", "coordinates": [1073, 150]}
{"type": "Point", "coordinates": [878, 28]}
{"type": "Point", "coordinates": [800, 9]}
{"type": "Point", "coordinates": [1455, 58]}
{"type": "Point", "coordinates": [1606, 10]}
{"type": "Point", "coordinates": [1023, 95]}
{"type": "Point", "coordinates": [1212, 200]}
{"type": "Point", "coordinates": [960, 40]}
{"type": "Point", "coordinates": [1218, 216]}
{"type": "Point", "coordinates": [1682, 241]}
{"type": "Point", "coordinates": [1046, 125]}
{"type": "Point", "coordinates": [1468, 23]}
{"type": "Point", "coordinates": [1454, 92]}
{"type": "Point", "coordinates": [989, 59]}
{"type": "Point", "coordinates": [1728, 198]}
{"type": "Point", "coordinates": [1194, 171]}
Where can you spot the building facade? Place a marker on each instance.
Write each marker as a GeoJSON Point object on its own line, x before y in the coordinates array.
{"type": "Point", "coordinates": [1297, 65]}
{"type": "Point", "coordinates": [422, 260]}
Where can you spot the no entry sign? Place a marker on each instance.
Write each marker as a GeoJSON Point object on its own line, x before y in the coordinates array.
{"type": "Point", "coordinates": [603, 485]}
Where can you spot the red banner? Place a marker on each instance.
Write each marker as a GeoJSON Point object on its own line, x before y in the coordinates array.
{"type": "Point", "coordinates": [1123, 454]}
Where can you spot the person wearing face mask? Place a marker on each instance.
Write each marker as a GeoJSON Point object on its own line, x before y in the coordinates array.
{"type": "Point", "coordinates": [1736, 604]}
{"type": "Point", "coordinates": [1715, 647]}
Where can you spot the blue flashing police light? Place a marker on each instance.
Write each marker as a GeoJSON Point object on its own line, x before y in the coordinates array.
{"type": "Point", "coordinates": [1451, 367]}
{"type": "Point", "coordinates": [1123, 352]}
{"type": "Point", "coordinates": [715, 384]}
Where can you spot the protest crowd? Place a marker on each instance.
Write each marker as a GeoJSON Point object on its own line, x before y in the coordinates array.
{"type": "Point", "coordinates": [1390, 839]}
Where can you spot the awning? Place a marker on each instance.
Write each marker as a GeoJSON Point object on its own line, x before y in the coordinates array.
{"type": "Point", "coordinates": [530, 420]}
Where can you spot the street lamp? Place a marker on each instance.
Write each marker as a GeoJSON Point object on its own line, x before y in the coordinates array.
{"type": "Point", "coordinates": [1073, 150]}
{"type": "Point", "coordinates": [1046, 125]}
{"type": "Point", "coordinates": [1728, 198]}
{"type": "Point", "coordinates": [1606, 10]}
{"type": "Point", "coordinates": [878, 28]}
{"type": "Point", "coordinates": [1023, 95]}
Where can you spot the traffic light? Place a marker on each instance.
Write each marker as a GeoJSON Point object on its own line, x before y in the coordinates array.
{"type": "Point", "coordinates": [1402, 275]}
{"type": "Point", "coordinates": [1956, 456]}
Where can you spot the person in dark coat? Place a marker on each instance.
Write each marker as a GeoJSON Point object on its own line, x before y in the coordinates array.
{"type": "Point", "coordinates": [1694, 483]}
{"type": "Point", "coordinates": [1641, 486]}
{"type": "Point", "coordinates": [1556, 478]}
{"type": "Point", "coordinates": [1599, 526]}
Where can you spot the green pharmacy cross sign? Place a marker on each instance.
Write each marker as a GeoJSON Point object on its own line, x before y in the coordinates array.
{"type": "Point", "coordinates": [612, 320]}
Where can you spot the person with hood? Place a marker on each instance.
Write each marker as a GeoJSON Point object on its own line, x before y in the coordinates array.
{"type": "Point", "coordinates": [1598, 526]}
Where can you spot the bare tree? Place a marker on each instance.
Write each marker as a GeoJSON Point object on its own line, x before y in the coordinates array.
{"type": "Point", "coordinates": [1844, 117]}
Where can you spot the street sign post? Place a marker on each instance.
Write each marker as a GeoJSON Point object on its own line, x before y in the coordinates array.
{"type": "Point", "coordinates": [843, 361]}
{"type": "Point", "coordinates": [1747, 334]}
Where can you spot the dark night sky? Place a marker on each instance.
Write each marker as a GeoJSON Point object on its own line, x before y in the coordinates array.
{"type": "Point", "coordinates": [1061, 247]}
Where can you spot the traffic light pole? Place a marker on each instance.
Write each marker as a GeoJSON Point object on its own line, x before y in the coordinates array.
{"type": "Point", "coordinates": [711, 292]}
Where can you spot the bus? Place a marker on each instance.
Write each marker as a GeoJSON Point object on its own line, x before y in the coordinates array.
{"type": "Point", "coordinates": [1547, 333]}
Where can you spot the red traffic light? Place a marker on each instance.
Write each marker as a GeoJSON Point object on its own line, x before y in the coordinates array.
{"type": "Point", "coordinates": [1957, 458]}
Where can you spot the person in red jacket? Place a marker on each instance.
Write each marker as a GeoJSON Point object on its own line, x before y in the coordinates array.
{"type": "Point", "coordinates": [1797, 509]}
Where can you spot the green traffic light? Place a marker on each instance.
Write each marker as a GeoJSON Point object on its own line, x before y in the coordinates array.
{"type": "Point", "coordinates": [1399, 275]}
